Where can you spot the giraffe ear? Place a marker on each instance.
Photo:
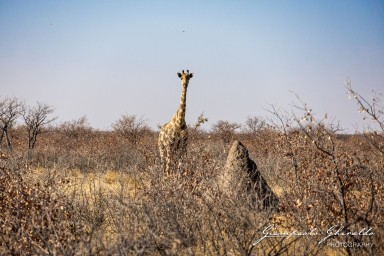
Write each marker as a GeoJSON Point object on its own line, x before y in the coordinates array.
{"type": "Point", "coordinates": [179, 75]}
{"type": "Point", "coordinates": [191, 75]}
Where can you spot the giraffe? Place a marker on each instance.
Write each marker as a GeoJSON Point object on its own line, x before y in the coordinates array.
{"type": "Point", "coordinates": [173, 135]}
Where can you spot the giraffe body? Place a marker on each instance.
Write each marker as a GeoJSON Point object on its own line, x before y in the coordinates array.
{"type": "Point", "coordinates": [173, 137]}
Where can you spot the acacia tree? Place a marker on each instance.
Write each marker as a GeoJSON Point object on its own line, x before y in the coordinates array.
{"type": "Point", "coordinates": [10, 109]}
{"type": "Point", "coordinates": [36, 118]}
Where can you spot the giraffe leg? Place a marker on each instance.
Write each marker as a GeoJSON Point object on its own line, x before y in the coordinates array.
{"type": "Point", "coordinates": [182, 152]}
{"type": "Point", "coordinates": [162, 158]}
{"type": "Point", "coordinates": [168, 166]}
{"type": "Point", "coordinates": [162, 150]}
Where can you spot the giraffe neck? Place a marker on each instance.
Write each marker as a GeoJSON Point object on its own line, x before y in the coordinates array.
{"type": "Point", "coordinates": [179, 118]}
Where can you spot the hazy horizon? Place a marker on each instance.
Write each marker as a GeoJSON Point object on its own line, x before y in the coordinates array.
{"type": "Point", "coordinates": [103, 59]}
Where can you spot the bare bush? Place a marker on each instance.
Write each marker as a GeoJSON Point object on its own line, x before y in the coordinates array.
{"type": "Point", "coordinates": [36, 220]}
{"type": "Point", "coordinates": [374, 111]}
{"type": "Point", "coordinates": [225, 130]}
{"type": "Point", "coordinates": [36, 119]}
{"type": "Point", "coordinates": [76, 127]}
{"type": "Point", "coordinates": [10, 110]}
{"type": "Point", "coordinates": [254, 124]}
{"type": "Point", "coordinates": [329, 180]}
{"type": "Point", "coordinates": [131, 128]}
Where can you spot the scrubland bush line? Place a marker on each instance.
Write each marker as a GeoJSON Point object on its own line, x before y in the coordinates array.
{"type": "Point", "coordinates": [80, 191]}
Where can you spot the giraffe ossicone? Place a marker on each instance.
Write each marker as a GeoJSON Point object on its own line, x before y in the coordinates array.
{"type": "Point", "coordinates": [173, 136]}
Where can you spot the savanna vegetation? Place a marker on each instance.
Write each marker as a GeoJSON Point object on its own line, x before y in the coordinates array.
{"type": "Point", "coordinates": [69, 189]}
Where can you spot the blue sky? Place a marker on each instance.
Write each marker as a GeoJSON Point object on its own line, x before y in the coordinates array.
{"type": "Point", "coordinates": [103, 59]}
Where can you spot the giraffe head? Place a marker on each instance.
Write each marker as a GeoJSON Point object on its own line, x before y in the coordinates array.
{"type": "Point", "coordinates": [185, 77]}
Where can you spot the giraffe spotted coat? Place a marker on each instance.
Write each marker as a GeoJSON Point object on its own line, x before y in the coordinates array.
{"type": "Point", "coordinates": [173, 137]}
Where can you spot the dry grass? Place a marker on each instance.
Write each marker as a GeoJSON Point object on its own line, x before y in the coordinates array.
{"type": "Point", "coordinates": [88, 192]}
{"type": "Point", "coordinates": [135, 209]}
